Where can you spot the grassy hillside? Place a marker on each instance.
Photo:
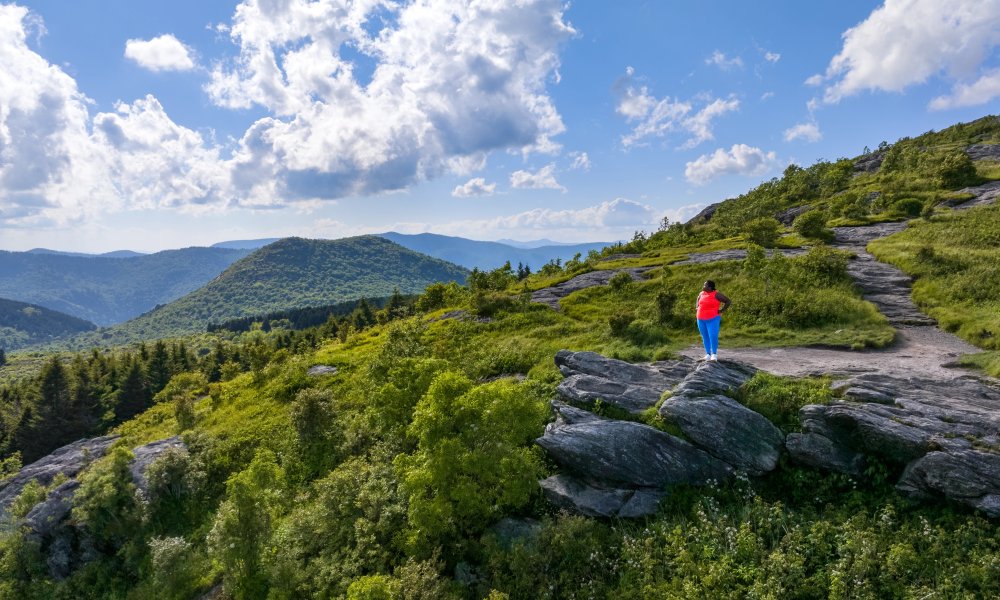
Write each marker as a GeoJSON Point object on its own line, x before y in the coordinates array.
{"type": "Point", "coordinates": [107, 290]}
{"type": "Point", "coordinates": [388, 478]}
{"type": "Point", "coordinates": [23, 324]}
{"type": "Point", "coordinates": [293, 273]}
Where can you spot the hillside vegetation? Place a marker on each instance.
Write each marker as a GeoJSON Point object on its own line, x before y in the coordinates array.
{"type": "Point", "coordinates": [108, 290]}
{"type": "Point", "coordinates": [23, 324]}
{"type": "Point", "coordinates": [411, 471]}
{"type": "Point", "coordinates": [291, 273]}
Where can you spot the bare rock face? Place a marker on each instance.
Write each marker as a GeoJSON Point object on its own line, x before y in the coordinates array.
{"type": "Point", "coordinates": [869, 163]}
{"type": "Point", "coordinates": [787, 216]}
{"type": "Point", "coordinates": [551, 296]}
{"type": "Point", "coordinates": [320, 370]}
{"type": "Point", "coordinates": [47, 524]}
{"type": "Point", "coordinates": [981, 196]}
{"type": "Point", "coordinates": [714, 377]}
{"type": "Point", "coordinates": [68, 461]}
{"type": "Point", "coordinates": [969, 477]}
{"type": "Point", "coordinates": [728, 431]}
{"type": "Point", "coordinates": [635, 388]}
{"type": "Point", "coordinates": [706, 214]}
{"type": "Point", "coordinates": [983, 151]}
{"type": "Point", "coordinates": [629, 454]}
{"type": "Point", "coordinates": [945, 433]}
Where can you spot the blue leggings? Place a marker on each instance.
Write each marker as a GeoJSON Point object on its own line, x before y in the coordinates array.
{"type": "Point", "coordinates": [709, 329]}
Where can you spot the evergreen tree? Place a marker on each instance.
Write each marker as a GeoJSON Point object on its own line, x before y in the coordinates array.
{"type": "Point", "coordinates": [158, 368]}
{"type": "Point", "coordinates": [133, 394]}
{"type": "Point", "coordinates": [3, 357]}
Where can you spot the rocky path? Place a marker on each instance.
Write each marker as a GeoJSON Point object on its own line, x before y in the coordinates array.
{"type": "Point", "coordinates": [920, 347]}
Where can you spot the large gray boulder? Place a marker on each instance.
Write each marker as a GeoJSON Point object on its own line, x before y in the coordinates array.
{"type": "Point", "coordinates": [628, 454]}
{"type": "Point", "coordinates": [727, 430]}
{"type": "Point", "coordinates": [970, 477]}
{"type": "Point", "coordinates": [633, 387]}
{"type": "Point", "coordinates": [983, 151]}
{"type": "Point", "coordinates": [66, 461]}
{"type": "Point", "coordinates": [582, 498]}
{"type": "Point", "coordinates": [714, 377]}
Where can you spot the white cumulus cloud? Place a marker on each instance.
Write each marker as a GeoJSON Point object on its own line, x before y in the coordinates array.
{"type": "Point", "coordinates": [162, 53]}
{"type": "Point", "coordinates": [476, 186]}
{"type": "Point", "coordinates": [452, 82]}
{"type": "Point", "coordinates": [658, 117]}
{"type": "Point", "coordinates": [542, 179]}
{"type": "Point", "coordinates": [907, 42]}
{"type": "Point", "coordinates": [740, 159]}
{"type": "Point", "coordinates": [719, 59]}
{"type": "Point", "coordinates": [772, 57]}
{"type": "Point", "coordinates": [808, 131]}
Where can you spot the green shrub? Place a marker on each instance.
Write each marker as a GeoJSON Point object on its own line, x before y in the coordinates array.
{"type": "Point", "coordinates": [812, 224]}
{"type": "Point", "coordinates": [620, 282]}
{"type": "Point", "coordinates": [665, 301]}
{"type": "Point", "coordinates": [242, 528]}
{"type": "Point", "coordinates": [763, 231]}
{"type": "Point", "coordinates": [106, 503]}
{"type": "Point", "coordinates": [474, 460]}
{"type": "Point", "coordinates": [780, 398]}
{"type": "Point", "coordinates": [175, 483]}
{"type": "Point", "coordinates": [822, 266]}
{"type": "Point", "coordinates": [489, 304]}
{"type": "Point", "coordinates": [174, 568]}
{"type": "Point", "coordinates": [907, 207]}
{"type": "Point", "coordinates": [620, 322]}
{"type": "Point", "coordinates": [317, 431]}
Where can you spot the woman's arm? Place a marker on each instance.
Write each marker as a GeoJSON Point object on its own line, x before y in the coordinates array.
{"type": "Point", "coordinates": [697, 300]}
{"type": "Point", "coordinates": [724, 300]}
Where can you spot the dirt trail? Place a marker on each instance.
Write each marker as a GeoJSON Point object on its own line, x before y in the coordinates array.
{"type": "Point", "coordinates": [920, 350]}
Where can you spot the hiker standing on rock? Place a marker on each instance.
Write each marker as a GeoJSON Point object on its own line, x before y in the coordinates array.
{"type": "Point", "coordinates": [710, 306]}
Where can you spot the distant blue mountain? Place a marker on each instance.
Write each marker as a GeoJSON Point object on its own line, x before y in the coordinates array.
{"type": "Point", "coordinates": [486, 255]}
{"type": "Point", "coordinates": [112, 254]}
{"type": "Point", "coordinates": [538, 243]}
{"type": "Point", "coordinates": [245, 244]}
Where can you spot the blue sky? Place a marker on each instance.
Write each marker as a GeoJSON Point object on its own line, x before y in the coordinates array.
{"type": "Point", "coordinates": [160, 125]}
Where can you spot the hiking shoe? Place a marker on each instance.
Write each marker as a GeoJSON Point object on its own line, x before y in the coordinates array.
{"type": "Point", "coordinates": [713, 357]}
{"type": "Point", "coordinates": [707, 357]}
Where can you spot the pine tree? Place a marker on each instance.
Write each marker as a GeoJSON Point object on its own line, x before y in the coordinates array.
{"type": "Point", "coordinates": [158, 368]}
{"type": "Point", "coordinates": [3, 357]}
{"type": "Point", "coordinates": [133, 394]}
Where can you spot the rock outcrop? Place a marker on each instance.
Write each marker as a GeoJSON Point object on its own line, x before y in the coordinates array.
{"type": "Point", "coordinates": [945, 433]}
{"type": "Point", "coordinates": [63, 544]}
{"type": "Point", "coordinates": [983, 151]}
{"type": "Point", "coordinates": [635, 388]}
{"type": "Point", "coordinates": [624, 468]}
{"type": "Point", "coordinates": [551, 296]}
{"type": "Point", "coordinates": [67, 461]}
{"type": "Point", "coordinates": [981, 196]}
{"type": "Point", "coordinates": [869, 163]}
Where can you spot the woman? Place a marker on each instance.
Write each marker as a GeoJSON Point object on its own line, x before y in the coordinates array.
{"type": "Point", "coordinates": [710, 305]}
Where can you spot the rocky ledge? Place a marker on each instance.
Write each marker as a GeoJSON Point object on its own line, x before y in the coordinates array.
{"type": "Point", "coordinates": [943, 435]}
{"type": "Point", "coordinates": [622, 468]}
{"type": "Point", "coordinates": [63, 544]}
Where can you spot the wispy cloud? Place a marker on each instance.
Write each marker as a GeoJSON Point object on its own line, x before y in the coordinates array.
{"type": "Point", "coordinates": [740, 159]}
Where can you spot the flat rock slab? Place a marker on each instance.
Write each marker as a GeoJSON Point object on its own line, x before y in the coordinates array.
{"type": "Point", "coordinates": [700, 258]}
{"type": "Point", "coordinates": [634, 387]}
{"type": "Point", "coordinates": [582, 498]}
{"type": "Point", "coordinates": [862, 234]}
{"type": "Point", "coordinates": [320, 370]}
{"type": "Point", "coordinates": [983, 151]}
{"type": "Point", "coordinates": [629, 454]}
{"type": "Point", "coordinates": [727, 430]}
{"type": "Point", "coordinates": [68, 461]}
{"type": "Point", "coordinates": [982, 195]}
{"type": "Point", "coordinates": [551, 296]}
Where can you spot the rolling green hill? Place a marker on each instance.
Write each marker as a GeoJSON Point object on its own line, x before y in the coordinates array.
{"type": "Point", "coordinates": [294, 273]}
{"type": "Point", "coordinates": [409, 460]}
{"type": "Point", "coordinates": [22, 324]}
{"type": "Point", "coordinates": [107, 289]}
